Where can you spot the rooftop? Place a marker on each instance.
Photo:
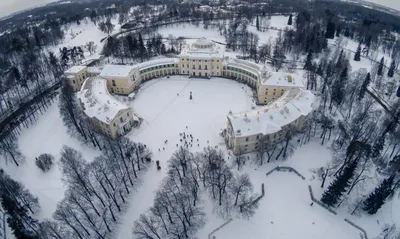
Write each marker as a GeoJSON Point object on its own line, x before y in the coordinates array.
{"type": "Point", "coordinates": [97, 100]}
{"type": "Point", "coordinates": [74, 69]}
{"type": "Point", "coordinates": [282, 79]}
{"type": "Point", "coordinates": [116, 71]}
{"type": "Point", "coordinates": [203, 49]}
{"type": "Point", "coordinates": [95, 70]}
{"type": "Point", "coordinates": [156, 62]}
{"type": "Point", "coordinates": [271, 118]}
{"type": "Point", "coordinates": [246, 65]}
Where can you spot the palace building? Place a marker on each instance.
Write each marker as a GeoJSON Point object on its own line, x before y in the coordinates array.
{"type": "Point", "coordinates": [202, 59]}
{"type": "Point", "coordinates": [286, 102]}
{"type": "Point", "coordinates": [108, 115]}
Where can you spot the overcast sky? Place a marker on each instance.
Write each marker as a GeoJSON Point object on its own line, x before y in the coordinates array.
{"type": "Point", "coordinates": [9, 6]}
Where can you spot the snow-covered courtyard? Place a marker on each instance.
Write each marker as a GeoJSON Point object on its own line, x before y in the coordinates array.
{"type": "Point", "coordinates": [166, 109]}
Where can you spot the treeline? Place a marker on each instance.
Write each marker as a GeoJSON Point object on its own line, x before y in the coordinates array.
{"type": "Point", "coordinates": [96, 191]}
{"type": "Point", "coordinates": [176, 212]}
{"type": "Point", "coordinates": [19, 206]}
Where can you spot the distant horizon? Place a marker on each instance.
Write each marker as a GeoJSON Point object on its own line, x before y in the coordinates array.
{"type": "Point", "coordinates": [8, 7]}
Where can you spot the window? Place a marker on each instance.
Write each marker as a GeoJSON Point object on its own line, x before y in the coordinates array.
{"type": "Point", "coordinates": [199, 60]}
{"type": "Point", "coordinates": [187, 65]}
{"type": "Point", "coordinates": [205, 60]}
{"type": "Point", "coordinates": [247, 139]}
{"type": "Point", "coordinates": [114, 124]}
{"type": "Point", "coordinates": [199, 67]}
{"type": "Point", "coordinates": [258, 136]}
{"type": "Point", "coordinates": [273, 93]}
{"type": "Point", "coordinates": [183, 65]}
{"type": "Point", "coordinates": [183, 72]}
{"type": "Point", "coordinates": [217, 60]}
{"type": "Point", "coordinates": [217, 67]}
{"type": "Point", "coordinates": [127, 114]}
{"type": "Point", "coordinates": [121, 120]}
{"type": "Point", "coordinates": [246, 145]}
{"type": "Point", "coordinates": [193, 67]}
{"type": "Point", "coordinates": [256, 147]}
{"type": "Point", "coordinates": [113, 83]}
{"type": "Point", "coordinates": [206, 67]}
{"type": "Point", "coordinates": [274, 89]}
{"type": "Point", "coordinates": [73, 81]}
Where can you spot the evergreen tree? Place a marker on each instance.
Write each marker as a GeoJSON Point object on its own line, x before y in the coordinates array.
{"type": "Point", "coordinates": [378, 147]}
{"type": "Point", "coordinates": [357, 55]}
{"type": "Point", "coordinates": [163, 49]}
{"type": "Point", "coordinates": [309, 66]}
{"type": "Point", "coordinates": [290, 21]}
{"type": "Point", "coordinates": [378, 197]}
{"type": "Point", "coordinates": [336, 189]}
{"type": "Point", "coordinates": [364, 86]}
{"type": "Point", "coordinates": [338, 87]}
{"type": "Point", "coordinates": [380, 68]}
{"type": "Point", "coordinates": [132, 44]}
{"type": "Point", "coordinates": [391, 69]}
{"type": "Point", "coordinates": [339, 62]}
{"type": "Point", "coordinates": [330, 30]}
{"type": "Point", "coordinates": [258, 24]}
{"type": "Point", "coordinates": [142, 48]}
{"type": "Point", "coordinates": [338, 30]}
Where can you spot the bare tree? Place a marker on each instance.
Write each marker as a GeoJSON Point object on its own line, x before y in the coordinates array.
{"type": "Point", "coordinates": [9, 150]}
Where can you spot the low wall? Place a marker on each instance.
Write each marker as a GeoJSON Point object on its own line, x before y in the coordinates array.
{"type": "Point", "coordinates": [229, 220]}
{"type": "Point", "coordinates": [290, 169]}
{"type": "Point", "coordinates": [218, 228]}
{"type": "Point", "coordinates": [319, 202]}
{"type": "Point", "coordinates": [286, 169]}
{"type": "Point", "coordinates": [358, 227]}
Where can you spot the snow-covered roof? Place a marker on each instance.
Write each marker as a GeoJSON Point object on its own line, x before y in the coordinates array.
{"type": "Point", "coordinates": [203, 49]}
{"type": "Point", "coordinates": [245, 65]}
{"type": "Point", "coordinates": [116, 71]}
{"type": "Point", "coordinates": [97, 100]}
{"type": "Point", "coordinates": [282, 79]}
{"type": "Point", "coordinates": [156, 62]}
{"type": "Point", "coordinates": [271, 118]}
{"type": "Point", "coordinates": [94, 70]}
{"type": "Point", "coordinates": [74, 69]}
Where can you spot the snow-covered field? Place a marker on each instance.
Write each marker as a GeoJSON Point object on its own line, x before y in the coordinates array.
{"type": "Point", "coordinates": [48, 135]}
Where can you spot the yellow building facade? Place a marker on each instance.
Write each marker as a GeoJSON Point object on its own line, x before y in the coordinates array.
{"type": "Point", "coordinates": [75, 76]}
{"type": "Point", "coordinates": [203, 58]}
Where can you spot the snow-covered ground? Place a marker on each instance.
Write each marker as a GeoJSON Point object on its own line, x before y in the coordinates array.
{"type": "Point", "coordinates": [48, 135]}
{"type": "Point", "coordinates": [79, 35]}
{"type": "Point", "coordinates": [166, 114]}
